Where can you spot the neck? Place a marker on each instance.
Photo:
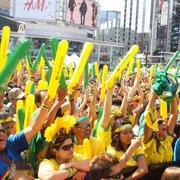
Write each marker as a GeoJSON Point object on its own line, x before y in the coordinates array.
{"type": "Point", "coordinates": [125, 146]}
{"type": "Point", "coordinates": [61, 161]}
{"type": "Point", "coordinates": [80, 140]}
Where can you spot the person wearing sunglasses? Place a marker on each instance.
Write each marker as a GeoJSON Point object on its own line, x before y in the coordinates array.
{"type": "Point", "coordinates": [118, 138]}
{"type": "Point", "coordinates": [82, 131]}
{"type": "Point", "coordinates": [158, 132]}
{"type": "Point", "coordinates": [11, 147]}
{"type": "Point", "coordinates": [59, 154]}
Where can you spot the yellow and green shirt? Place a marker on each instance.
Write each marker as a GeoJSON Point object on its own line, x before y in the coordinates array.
{"type": "Point", "coordinates": [165, 153]}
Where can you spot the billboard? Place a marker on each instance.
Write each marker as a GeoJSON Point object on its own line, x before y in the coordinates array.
{"type": "Point", "coordinates": [82, 12]}
{"type": "Point", "coordinates": [35, 10]}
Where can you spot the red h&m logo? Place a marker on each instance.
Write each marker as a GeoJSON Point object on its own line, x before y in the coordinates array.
{"type": "Point", "coordinates": [35, 5]}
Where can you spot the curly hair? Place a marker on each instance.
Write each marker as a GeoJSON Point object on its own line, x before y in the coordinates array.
{"type": "Point", "coordinates": [100, 166]}
{"type": "Point", "coordinates": [116, 143]}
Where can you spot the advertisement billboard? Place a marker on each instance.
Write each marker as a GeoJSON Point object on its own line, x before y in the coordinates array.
{"type": "Point", "coordinates": [35, 10]}
{"type": "Point", "coordinates": [82, 12]}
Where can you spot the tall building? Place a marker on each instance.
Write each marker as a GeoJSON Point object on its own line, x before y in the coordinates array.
{"type": "Point", "coordinates": [166, 26]}
{"type": "Point", "coordinates": [136, 19]}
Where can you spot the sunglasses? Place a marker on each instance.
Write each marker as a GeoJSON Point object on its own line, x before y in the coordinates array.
{"type": "Point", "coordinates": [3, 131]}
{"type": "Point", "coordinates": [84, 126]}
{"type": "Point", "coordinates": [66, 147]}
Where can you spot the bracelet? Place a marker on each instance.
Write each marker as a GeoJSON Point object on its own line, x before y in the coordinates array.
{"type": "Point", "coordinates": [71, 171]}
{"type": "Point", "coordinates": [45, 106]}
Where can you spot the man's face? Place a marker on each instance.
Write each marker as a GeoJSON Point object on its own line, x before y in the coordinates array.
{"type": "Point", "coordinates": [3, 138]}
{"type": "Point", "coordinates": [83, 129]}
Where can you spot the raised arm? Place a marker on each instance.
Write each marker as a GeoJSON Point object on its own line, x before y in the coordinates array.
{"type": "Point", "coordinates": [38, 121]}
{"type": "Point", "coordinates": [107, 108]}
{"type": "Point", "coordinates": [173, 116]}
{"type": "Point", "coordinates": [149, 109]}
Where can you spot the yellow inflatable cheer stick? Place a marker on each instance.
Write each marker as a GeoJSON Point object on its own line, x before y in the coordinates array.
{"type": "Point", "coordinates": [70, 70]}
{"type": "Point", "coordinates": [104, 76]}
{"type": "Point", "coordinates": [42, 85]}
{"type": "Point", "coordinates": [4, 46]}
{"type": "Point", "coordinates": [87, 148]}
{"type": "Point", "coordinates": [29, 109]}
{"type": "Point", "coordinates": [97, 71]}
{"type": "Point", "coordinates": [57, 69]}
{"type": "Point", "coordinates": [19, 115]}
{"type": "Point", "coordinates": [138, 65]}
{"type": "Point", "coordinates": [151, 73]}
{"type": "Point", "coordinates": [28, 86]}
{"type": "Point", "coordinates": [80, 68]}
{"type": "Point", "coordinates": [41, 64]}
{"type": "Point", "coordinates": [163, 109]}
{"type": "Point", "coordinates": [130, 68]}
{"type": "Point", "coordinates": [19, 66]}
{"type": "Point", "coordinates": [65, 71]}
{"type": "Point", "coordinates": [122, 65]}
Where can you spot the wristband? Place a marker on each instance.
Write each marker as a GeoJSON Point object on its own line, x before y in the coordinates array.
{"type": "Point", "coordinates": [45, 106]}
{"type": "Point", "coordinates": [71, 171]}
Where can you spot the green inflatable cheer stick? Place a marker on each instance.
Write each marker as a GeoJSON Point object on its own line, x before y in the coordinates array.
{"type": "Point", "coordinates": [86, 75]}
{"type": "Point", "coordinates": [54, 45]}
{"type": "Point", "coordinates": [14, 57]}
{"type": "Point", "coordinates": [48, 75]}
{"type": "Point", "coordinates": [46, 62]}
{"type": "Point", "coordinates": [32, 90]}
{"type": "Point", "coordinates": [63, 81]}
{"type": "Point", "coordinates": [93, 72]}
{"type": "Point", "coordinates": [29, 59]}
{"type": "Point", "coordinates": [21, 116]}
{"type": "Point", "coordinates": [38, 57]}
{"type": "Point", "coordinates": [171, 61]}
{"type": "Point", "coordinates": [177, 69]}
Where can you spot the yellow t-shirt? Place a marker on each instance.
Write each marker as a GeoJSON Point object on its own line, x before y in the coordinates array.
{"type": "Point", "coordinates": [165, 153]}
{"type": "Point", "coordinates": [96, 145]}
{"type": "Point", "coordinates": [132, 160]}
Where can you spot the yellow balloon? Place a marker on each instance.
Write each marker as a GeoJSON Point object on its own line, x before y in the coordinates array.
{"type": "Point", "coordinates": [130, 68]}
{"type": "Point", "coordinates": [163, 109]}
{"type": "Point", "coordinates": [138, 65]}
{"type": "Point", "coordinates": [80, 68]}
{"type": "Point", "coordinates": [57, 69]}
{"type": "Point", "coordinates": [29, 109]}
{"type": "Point", "coordinates": [4, 45]}
{"type": "Point", "coordinates": [122, 65]}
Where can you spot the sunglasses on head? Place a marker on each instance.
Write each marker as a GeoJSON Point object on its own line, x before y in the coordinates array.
{"type": "Point", "coordinates": [83, 126]}
{"type": "Point", "coordinates": [66, 147]}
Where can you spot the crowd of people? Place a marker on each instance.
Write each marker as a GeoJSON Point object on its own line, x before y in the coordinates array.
{"type": "Point", "coordinates": [79, 135]}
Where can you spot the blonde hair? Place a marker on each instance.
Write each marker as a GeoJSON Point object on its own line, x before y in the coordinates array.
{"type": "Point", "coordinates": [171, 173]}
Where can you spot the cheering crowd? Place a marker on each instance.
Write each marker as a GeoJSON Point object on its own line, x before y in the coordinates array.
{"type": "Point", "coordinates": [83, 134]}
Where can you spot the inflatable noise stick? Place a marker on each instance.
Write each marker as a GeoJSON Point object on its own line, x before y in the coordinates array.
{"type": "Point", "coordinates": [41, 64]}
{"type": "Point", "coordinates": [4, 46]}
{"type": "Point", "coordinates": [163, 109]}
{"type": "Point", "coordinates": [97, 71]}
{"type": "Point", "coordinates": [20, 115]}
{"type": "Point", "coordinates": [63, 81]}
{"type": "Point", "coordinates": [171, 61]}
{"type": "Point", "coordinates": [14, 57]}
{"type": "Point", "coordinates": [57, 69]}
{"type": "Point", "coordinates": [29, 109]}
{"type": "Point", "coordinates": [122, 65]}
{"type": "Point", "coordinates": [86, 75]}
{"type": "Point", "coordinates": [93, 72]}
{"type": "Point", "coordinates": [130, 68]}
{"type": "Point", "coordinates": [54, 46]}
{"type": "Point", "coordinates": [87, 148]}
{"type": "Point", "coordinates": [177, 69]}
{"type": "Point", "coordinates": [19, 66]}
{"type": "Point", "coordinates": [38, 57]}
{"type": "Point", "coordinates": [70, 70]}
{"type": "Point", "coordinates": [32, 90]}
{"type": "Point", "coordinates": [28, 87]}
{"type": "Point", "coordinates": [138, 65]}
{"type": "Point", "coordinates": [42, 85]}
{"type": "Point", "coordinates": [104, 76]}
{"type": "Point", "coordinates": [46, 62]}
{"type": "Point", "coordinates": [80, 68]}
{"type": "Point", "coordinates": [151, 72]}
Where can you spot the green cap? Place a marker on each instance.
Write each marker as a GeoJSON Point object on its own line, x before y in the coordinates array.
{"type": "Point", "coordinates": [82, 118]}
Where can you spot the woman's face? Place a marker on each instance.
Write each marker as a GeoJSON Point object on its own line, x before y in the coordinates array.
{"type": "Point", "coordinates": [162, 125]}
{"type": "Point", "coordinates": [65, 151]}
{"type": "Point", "coordinates": [126, 136]}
